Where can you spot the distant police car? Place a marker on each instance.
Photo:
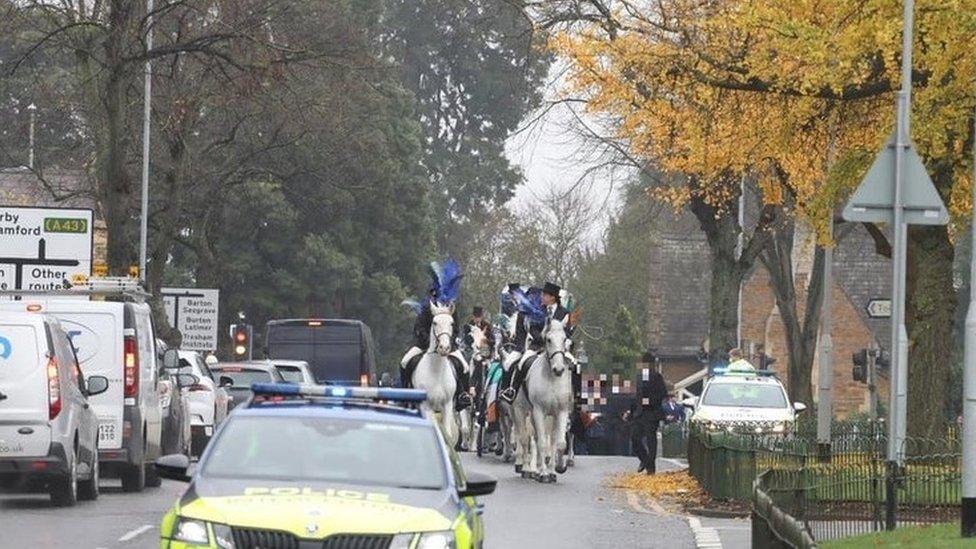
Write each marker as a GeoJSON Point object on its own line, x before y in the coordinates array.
{"type": "Point", "coordinates": [302, 466]}
{"type": "Point", "coordinates": [742, 399]}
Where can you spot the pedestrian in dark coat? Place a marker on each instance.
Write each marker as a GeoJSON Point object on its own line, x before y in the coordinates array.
{"type": "Point", "coordinates": [645, 415]}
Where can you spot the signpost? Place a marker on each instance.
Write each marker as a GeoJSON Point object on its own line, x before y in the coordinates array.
{"type": "Point", "coordinates": [194, 313]}
{"type": "Point", "coordinates": [42, 248]}
{"type": "Point", "coordinates": [879, 308]}
{"type": "Point", "coordinates": [898, 190]}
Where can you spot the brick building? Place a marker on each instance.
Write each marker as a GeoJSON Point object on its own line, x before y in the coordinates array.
{"type": "Point", "coordinates": [679, 301]}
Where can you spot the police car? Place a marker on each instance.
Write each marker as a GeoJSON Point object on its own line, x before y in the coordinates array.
{"type": "Point", "coordinates": [302, 466]}
{"type": "Point", "coordinates": [743, 399]}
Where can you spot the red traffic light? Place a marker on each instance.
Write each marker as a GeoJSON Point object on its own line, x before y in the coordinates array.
{"type": "Point", "coordinates": [240, 337]}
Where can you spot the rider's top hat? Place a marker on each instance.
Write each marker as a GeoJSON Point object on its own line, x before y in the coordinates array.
{"type": "Point", "coordinates": [478, 311]}
{"type": "Point", "coordinates": [512, 286]}
{"type": "Point", "coordinates": [551, 289]}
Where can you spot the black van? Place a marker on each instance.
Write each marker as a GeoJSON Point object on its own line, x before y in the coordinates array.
{"type": "Point", "coordinates": [339, 352]}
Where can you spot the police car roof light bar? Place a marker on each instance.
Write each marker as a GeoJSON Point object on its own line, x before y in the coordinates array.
{"type": "Point", "coordinates": [333, 391]}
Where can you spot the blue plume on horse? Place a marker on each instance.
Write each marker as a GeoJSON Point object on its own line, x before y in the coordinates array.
{"type": "Point", "coordinates": [446, 280]}
{"type": "Point", "coordinates": [530, 304]}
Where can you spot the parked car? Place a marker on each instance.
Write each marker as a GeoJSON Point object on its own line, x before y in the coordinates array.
{"type": "Point", "coordinates": [237, 377]}
{"type": "Point", "coordinates": [115, 339]}
{"type": "Point", "coordinates": [48, 431]}
{"type": "Point", "coordinates": [208, 401]}
{"type": "Point", "coordinates": [175, 403]}
{"type": "Point", "coordinates": [339, 351]}
{"type": "Point", "coordinates": [294, 371]}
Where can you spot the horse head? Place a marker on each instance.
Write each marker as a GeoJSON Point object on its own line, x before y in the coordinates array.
{"type": "Point", "coordinates": [442, 327]}
{"type": "Point", "coordinates": [556, 340]}
{"type": "Point", "coordinates": [480, 345]}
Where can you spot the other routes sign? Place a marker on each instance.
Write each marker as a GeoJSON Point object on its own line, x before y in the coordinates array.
{"type": "Point", "coordinates": [194, 313]}
{"type": "Point", "coordinates": [41, 248]}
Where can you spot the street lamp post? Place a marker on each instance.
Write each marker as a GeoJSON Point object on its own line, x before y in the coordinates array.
{"type": "Point", "coordinates": [968, 514]}
{"type": "Point", "coordinates": [146, 112]}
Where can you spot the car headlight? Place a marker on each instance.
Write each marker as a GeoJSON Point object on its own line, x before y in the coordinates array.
{"type": "Point", "coordinates": [191, 531]}
{"type": "Point", "coordinates": [427, 540]}
{"type": "Point", "coordinates": [198, 531]}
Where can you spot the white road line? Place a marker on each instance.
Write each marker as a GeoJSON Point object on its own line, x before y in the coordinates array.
{"type": "Point", "coordinates": [706, 537]}
{"type": "Point", "coordinates": [136, 533]}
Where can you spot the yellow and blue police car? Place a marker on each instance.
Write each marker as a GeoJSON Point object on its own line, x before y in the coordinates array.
{"type": "Point", "coordinates": [303, 466]}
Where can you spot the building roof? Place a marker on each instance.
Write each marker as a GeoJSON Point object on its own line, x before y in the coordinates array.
{"type": "Point", "coordinates": [54, 188]}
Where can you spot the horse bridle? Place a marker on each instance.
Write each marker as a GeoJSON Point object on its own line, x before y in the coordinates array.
{"type": "Point", "coordinates": [447, 334]}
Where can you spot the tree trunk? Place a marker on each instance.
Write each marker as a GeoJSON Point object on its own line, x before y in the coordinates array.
{"type": "Point", "coordinates": [801, 336]}
{"type": "Point", "coordinates": [115, 187]}
{"type": "Point", "coordinates": [721, 231]}
{"type": "Point", "coordinates": [929, 311]}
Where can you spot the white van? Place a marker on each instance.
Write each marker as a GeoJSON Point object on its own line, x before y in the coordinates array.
{"type": "Point", "coordinates": [116, 340]}
{"type": "Point", "coordinates": [48, 433]}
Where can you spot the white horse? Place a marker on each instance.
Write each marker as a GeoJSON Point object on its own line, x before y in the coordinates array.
{"type": "Point", "coordinates": [435, 373]}
{"type": "Point", "coordinates": [480, 354]}
{"type": "Point", "coordinates": [542, 408]}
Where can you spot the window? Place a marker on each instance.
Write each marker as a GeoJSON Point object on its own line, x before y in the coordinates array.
{"type": "Point", "coordinates": [744, 395]}
{"type": "Point", "coordinates": [328, 449]}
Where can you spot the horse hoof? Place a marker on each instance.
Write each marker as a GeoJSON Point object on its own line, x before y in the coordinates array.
{"type": "Point", "coordinates": [560, 469]}
{"type": "Point", "coordinates": [507, 459]}
{"type": "Point", "coordinates": [527, 475]}
{"type": "Point", "coordinates": [571, 463]}
{"type": "Point", "coordinates": [518, 468]}
{"type": "Point", "coordinates": [552, 478]}
{"type": "Point", "coordinates": [500, 451]}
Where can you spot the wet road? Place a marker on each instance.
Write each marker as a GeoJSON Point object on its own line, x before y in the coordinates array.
{"type": "Point", "coordinates": [578, 511]}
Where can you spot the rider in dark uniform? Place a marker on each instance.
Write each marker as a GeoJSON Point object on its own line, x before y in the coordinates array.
{"type": "Point", "coordinates": [531, 332]}
{"type": "Point", "coordinates": [421, 336]}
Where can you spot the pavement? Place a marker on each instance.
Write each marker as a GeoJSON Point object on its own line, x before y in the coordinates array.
{"type": "Point", "coordinates": [580, 510]}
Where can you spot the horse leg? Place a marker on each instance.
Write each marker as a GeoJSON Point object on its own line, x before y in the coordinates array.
{"type": "Point", "coordinates": [561, 436]}
{"type": "Point", "coordinates": [465, 430]}
{"type": "Point", "coordinates": [449, 423]}
{"type": "Point", "coordinates": [542, 444]}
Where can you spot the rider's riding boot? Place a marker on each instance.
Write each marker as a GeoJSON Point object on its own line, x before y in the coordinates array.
{"type": "Point", "coordinates": [462, 395]}
{"type": "Point", "coordinates": [508, 395]}
{"type": "Point", "coordinates": [408, 365]}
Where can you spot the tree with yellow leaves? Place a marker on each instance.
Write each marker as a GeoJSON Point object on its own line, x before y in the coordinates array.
{"type": "Point", "coordinates": [800, 96]}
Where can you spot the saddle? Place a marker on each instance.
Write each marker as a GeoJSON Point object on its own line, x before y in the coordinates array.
{"type": "Point", "coordinates": [411, 364]}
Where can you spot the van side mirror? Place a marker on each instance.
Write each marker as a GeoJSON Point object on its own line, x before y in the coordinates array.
{"type": "Point", "coordinates": [173, 467]}
{"type": "Point", "coordinates": [799, 406]}
{"type": "Point", "coordinates": [96, 385]}
{"type": "Point", "coordinates": [226, 381]}
{"type": "Point", "coordinates": [171, 359]}
{"type": "Point", "coordinates": [478, 484]}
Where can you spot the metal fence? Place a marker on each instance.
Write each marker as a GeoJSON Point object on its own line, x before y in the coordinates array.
{"type": "Point", "coordinates": [833, 493]}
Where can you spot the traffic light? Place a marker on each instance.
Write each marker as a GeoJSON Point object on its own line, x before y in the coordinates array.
{"type": "Point", "coordinates": [860, 370]}
{"type": "Point", "coordinates": [241, 338]}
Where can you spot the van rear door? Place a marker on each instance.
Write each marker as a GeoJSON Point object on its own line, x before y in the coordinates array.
{"type": "Point", "coordinates": [24, 428]}
{"type": "Point", "coordinates": [95, 330]}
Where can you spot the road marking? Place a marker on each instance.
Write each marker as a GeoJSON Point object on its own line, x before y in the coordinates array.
{"type": "Point", "coordinates": [136, 533]}
{"type": "Point", "coordinates": [706, 537]}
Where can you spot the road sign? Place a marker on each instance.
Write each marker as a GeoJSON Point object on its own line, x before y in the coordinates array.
{"type": "Point", "coordinates": [872, 201]}
{"type": "Point", "coordinates": [879, 308]}
{"type": "Point", "coordinates": [194, 313]}
{"type": "Point", "coordinates": [42, 248]}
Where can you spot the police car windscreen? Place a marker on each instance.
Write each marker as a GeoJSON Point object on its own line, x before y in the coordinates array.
{"type": "Point", "coordinates": [328, 450]}
{"type": "Point", "coordinates": [745, 395]}
{"type": "Point", "coordinates": [333, 352]}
